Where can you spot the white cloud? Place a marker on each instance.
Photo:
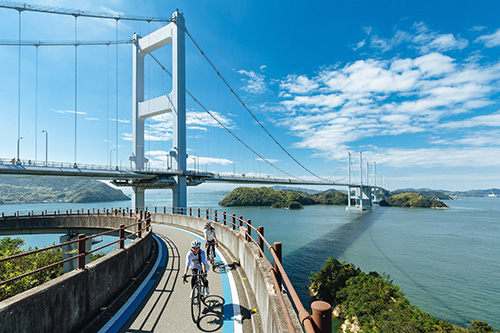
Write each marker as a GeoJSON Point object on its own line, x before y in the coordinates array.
{"type": "Point", "coordinates": [491, 40]}
{"type": "Point", "coordinates": [300, 84]}
{"type": "Point", "coordinates": [69, 112]}
{"type": "Point", "coordinates": [254, 83]}
{"type": "Point", "coordinates": [491, 120]}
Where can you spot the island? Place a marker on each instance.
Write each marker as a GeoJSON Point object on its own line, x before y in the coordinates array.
{"type": "Point", "coordinates": [38, 190]}
{"type": "Point", "coordinates": [370, 302]}
{"type": "Point", "coordinates": [286, 199]}
{"type": "Point", "coordinates": [412, 200]}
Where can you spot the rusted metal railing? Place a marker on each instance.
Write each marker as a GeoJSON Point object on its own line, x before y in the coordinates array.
{"type": "Point", "coordinates": [142, 218]}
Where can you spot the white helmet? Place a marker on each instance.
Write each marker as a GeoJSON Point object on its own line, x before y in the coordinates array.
{"type": "Point", "coordinates": [195, 243]}
{"type": "Point", "coordinates": [207, 223]}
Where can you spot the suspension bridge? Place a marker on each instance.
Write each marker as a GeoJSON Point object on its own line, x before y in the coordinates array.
{"type": "Point", "coordinates": [132, 109]}
{"type": "Point", "coordinates": [227, 134]}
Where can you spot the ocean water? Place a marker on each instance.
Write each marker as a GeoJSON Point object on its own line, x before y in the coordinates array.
{"type": "Point", "coordinates": [447, 262]}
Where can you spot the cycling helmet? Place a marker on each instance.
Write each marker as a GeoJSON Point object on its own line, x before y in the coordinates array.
{"type": "Point", "coordinates": [207, 223]}
{"type": "Point", "coordinates": [195, 243]}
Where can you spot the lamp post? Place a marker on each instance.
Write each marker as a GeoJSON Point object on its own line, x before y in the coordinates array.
{"type": "Point", "coordinates": [46, 147]}
{"type": "Point", "coordinates": [110, 158]}
{"type": "Point", "coordinates": [18, 148]}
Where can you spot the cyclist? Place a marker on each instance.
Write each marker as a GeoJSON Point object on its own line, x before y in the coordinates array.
{"type": "Point", "coordinates": [210, 238]}
{"type": "Point", "coordinates": [197, 262]}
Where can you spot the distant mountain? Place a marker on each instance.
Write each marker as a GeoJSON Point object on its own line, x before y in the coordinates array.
{"type": "Point", "coordinates": [290, 188]}
{"type": "Point", "coordinates": [36, 190]}
{"type": "Point", "coordinates": [426, 193]}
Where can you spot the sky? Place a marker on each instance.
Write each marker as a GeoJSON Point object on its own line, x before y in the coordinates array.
{"type": "Point", "coordinates": [414, 86]}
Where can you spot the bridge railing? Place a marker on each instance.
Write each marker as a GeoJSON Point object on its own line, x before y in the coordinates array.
{"type": "Point", "coordinates": [143, 224]}
{"type": "Point", "coordinates": [279, 275]}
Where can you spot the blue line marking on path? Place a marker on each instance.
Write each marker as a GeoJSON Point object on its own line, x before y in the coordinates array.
{"type": "Point", "coordinates": [138, 300]}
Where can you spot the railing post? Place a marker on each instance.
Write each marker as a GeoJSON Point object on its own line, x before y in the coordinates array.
{"type": "Point", "coordinates": [164, 210]}
{"type": "Point", "coordinates": [249, 230]}
{"type": "Point", "coordinates": [277, 273]}
{"type": "Point", "coordinates": [139, 229]}
{"type": "Point", "coordinates": [241, 221]}
{"type": "Point", "coordinates": [322, 316]}
{"type": "Point", "coordinates": [81, 250]}
{"type": "Point", "coordinates": [122, 236]}
{"type": "Point", "coordinates": [261, 240]}
{"type": "Point", "coordinates": [224, 218]}
{"type": "Point", "coordinates": [182, 210]}
{"type": "Point", "coordinates": [234, 221]}
{"type": "Point", "coordinates": [148, 222]}
{"type": "Point", "coordinates": [190, 211]}
{"type": "Point", "coordinates": [207, 213]}
{"type": "Point", "coordinates": [199, 215]}
{"type": "Point", "coordinates": [173, 210]}
{"type": "Point", "coordinates": [155, 210]}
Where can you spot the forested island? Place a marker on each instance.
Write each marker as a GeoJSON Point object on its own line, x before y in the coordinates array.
{"type": "Point", "coordinates": [292, 199]}
{"type": "Point", "coordinates": [412, 200]}
{"type": "Point", "coordinates": [287, 199]}
{"type": "Point", "coordinates": [371, 303]}
{"type": "Point", "coordinates": [36, 190]}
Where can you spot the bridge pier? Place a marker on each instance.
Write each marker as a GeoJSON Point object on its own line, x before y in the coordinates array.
{"type": "Point", "coordinates": [362, 196]}
{"type": "Point", "coordinates": [138, 198]}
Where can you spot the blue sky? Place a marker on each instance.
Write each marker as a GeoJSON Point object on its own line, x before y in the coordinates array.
{"type": "Point", "coordinates": [414, 86]}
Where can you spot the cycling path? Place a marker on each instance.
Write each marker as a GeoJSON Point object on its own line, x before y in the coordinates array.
{"type": "Point", "coordinates": [162, 304]}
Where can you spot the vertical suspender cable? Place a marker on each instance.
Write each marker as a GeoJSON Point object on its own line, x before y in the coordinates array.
{"type": "Point", "coordinates": [19, 92]}
{"type": "Point", "coordinates": [36, 101]}
{"type": "Point", "coordinates": [107, 105]}
{"type": "Point", "coordinates": [76, 83]}
{"type": "Point", "coordinates": [116, 92]}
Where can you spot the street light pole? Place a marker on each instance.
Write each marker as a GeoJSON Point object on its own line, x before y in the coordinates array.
{"type": "Point", "coordinates": [110, 158]}
{"type": "Point", "coordinates": [46, 147]}
{"type": "Point", "coordinates": [18, 144]}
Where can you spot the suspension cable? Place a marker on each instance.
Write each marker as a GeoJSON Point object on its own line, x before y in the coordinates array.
{"type": "Point", "coordinates": [36, 103]}
{"type": "Point", "coordinates": [76, 85]}
{"type": "Point", "coordinates": [19, 92]}
{"type": "Point", "coordinates": [221, 123]}
{"type": "Point", "coordinates": [52, 10]}
{"type": "Point", "coordinates": [117, 122]}
{"type": "Point", "coordinates": [61, 43]}
{"type": "Point", "coordinates": [248, 110]}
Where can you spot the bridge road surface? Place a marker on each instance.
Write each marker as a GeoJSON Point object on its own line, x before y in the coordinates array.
{"type": "Point", "coordinates": [164, 305]}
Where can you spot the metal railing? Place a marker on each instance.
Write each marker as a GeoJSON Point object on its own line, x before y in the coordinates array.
{"type": "Point", "coordinates": [278, 273]}
{"type": "Point", "coordinates": [245, 227]}
{"type": "Point", "coordinates": [143, 224]}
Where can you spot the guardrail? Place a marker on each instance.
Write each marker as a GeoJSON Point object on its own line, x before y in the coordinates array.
{"type": "Point", "coordinates": [143, 224]}
{"type": "Point", "coordinates": [319, 321]}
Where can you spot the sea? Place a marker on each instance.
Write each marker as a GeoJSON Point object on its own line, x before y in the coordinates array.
{"type": "Point", "coordinates": [447, 262]}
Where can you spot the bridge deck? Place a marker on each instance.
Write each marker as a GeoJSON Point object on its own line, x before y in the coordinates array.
{"type": "Point", "coordinates": [163, 304]}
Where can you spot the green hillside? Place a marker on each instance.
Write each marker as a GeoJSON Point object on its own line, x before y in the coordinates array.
{"type": "Point", "coordinates": [30, 190]}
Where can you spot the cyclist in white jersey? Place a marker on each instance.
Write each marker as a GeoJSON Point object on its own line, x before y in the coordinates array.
{"type": "Point", "coordinates": [197, 262]}
{"type": "Point", "coordinates": [210, 238]}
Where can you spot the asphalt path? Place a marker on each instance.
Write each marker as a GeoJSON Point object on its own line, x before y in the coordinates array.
{"type": "Point", "coordinates": [162, 304]}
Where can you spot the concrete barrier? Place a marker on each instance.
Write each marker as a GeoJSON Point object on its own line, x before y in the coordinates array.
{"type": "Point", "coordinates": [66, 303]}
{"type": "Point", "coordinates": [256, 270]}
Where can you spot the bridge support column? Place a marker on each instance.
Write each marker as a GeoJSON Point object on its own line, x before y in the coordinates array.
{"type": "Point", "coordinates": [179, 192]}
{"type": "Point", "coordinates": [138, 199]}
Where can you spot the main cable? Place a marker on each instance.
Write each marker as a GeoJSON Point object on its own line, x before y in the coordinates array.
{"type": "Point", "coordinates": [221, 123]}
{"type": "Point", "coordinates": [248, 110]}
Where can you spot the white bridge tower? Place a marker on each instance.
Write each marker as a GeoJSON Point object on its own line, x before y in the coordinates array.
{"type": "Point", "coordinates": [174, 102]}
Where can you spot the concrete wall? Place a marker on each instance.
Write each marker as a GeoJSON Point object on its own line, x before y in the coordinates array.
{"type": "Point", "coordinates": [256, 269]}
{"type": "Point", "coordinates": [67, 302]}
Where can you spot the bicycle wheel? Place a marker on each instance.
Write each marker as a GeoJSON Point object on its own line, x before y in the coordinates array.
{"type": "Point", "coordinates": [196, 303]}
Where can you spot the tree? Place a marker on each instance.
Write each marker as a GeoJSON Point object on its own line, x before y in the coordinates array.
{"type": "Point", "coordinates": [18, 266]}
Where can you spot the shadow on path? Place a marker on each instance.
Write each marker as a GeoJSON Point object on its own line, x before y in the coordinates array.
{"type": "Point", "coordinates": [166, 277]}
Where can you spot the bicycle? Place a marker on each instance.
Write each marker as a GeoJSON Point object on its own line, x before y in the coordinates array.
{"type": "Point", "coordinates": [197, 297]}
{"type": "Point", "coordinates": [211, 253]}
